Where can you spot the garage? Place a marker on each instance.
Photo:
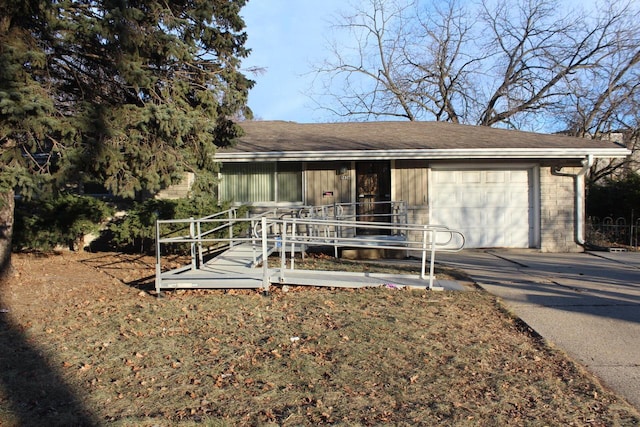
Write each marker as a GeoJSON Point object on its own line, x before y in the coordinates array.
{"type": "Point", "coordinates": [491, 207]}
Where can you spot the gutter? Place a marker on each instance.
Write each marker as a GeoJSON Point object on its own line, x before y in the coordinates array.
{"type": "Point", "coordinates": [579, 227]}
{"type": "Point", "coordinates": [426, 154]}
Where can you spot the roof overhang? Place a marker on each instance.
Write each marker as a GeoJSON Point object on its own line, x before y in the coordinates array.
{"type": "Point", "coordinates": [422, 154]}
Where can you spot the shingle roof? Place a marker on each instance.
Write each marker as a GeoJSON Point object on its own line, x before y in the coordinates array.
{"type": "Point", "coordinates": [395, 138]}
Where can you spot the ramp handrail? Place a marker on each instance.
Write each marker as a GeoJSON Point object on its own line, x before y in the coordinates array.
{"type": "Point", "coordinates": [268, 232]}
{"type": "Point", "coordinates": [398, 211]}
{"type": "Point", "coordinates": [433, 238]}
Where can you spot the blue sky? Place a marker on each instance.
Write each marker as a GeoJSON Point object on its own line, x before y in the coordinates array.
{"type": "Point", "coordinates": [286, 37]}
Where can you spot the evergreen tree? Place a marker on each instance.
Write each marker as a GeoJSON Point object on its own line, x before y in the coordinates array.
{"type": "Point", "coordinates": [129, 92]}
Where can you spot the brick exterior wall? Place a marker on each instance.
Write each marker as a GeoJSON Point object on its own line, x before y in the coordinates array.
{"type": "Point", "coordinates": [557, 216]}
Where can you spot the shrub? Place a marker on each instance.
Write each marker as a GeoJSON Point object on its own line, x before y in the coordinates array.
{"type": "Point", "coordinates": [615, 198]}
{"type": "Point", "coordinates": [137, 229]}
{"type": "Point", "coordinates": [44, 223]}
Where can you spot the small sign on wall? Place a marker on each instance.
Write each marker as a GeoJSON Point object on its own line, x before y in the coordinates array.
{"type": "Point", "coordinates": [327, 194]}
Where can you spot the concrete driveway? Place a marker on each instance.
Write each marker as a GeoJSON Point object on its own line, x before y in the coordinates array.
{"type": "Point", "coordinates": [587, 304]}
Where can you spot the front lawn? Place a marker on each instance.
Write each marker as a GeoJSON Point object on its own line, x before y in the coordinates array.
{"type": "Point", "coordinates": [83, 343]}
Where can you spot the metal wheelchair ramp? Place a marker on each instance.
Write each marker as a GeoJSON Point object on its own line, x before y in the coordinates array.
{"type": "Point", "coordinates": [242, 244]}
{"type": "Point", "coordinates": [234, 269]}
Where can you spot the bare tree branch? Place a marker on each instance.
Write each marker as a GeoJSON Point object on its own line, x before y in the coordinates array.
{"type": "Point", "coordinates": [515, 63]}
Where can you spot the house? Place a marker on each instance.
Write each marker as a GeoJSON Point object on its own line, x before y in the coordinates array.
{"type": "Point", "coordinates": [501, 188]}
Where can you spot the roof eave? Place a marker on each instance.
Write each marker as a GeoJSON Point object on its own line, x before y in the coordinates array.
{"type": "Point", "coordinates": [430, 154]}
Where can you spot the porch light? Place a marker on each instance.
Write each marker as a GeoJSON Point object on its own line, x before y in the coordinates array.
{"type": "Point", "coordinates": [342, 170]}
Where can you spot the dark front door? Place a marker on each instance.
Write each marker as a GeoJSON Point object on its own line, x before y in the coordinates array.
{"type": "Point", "coordinates": [374, 192]}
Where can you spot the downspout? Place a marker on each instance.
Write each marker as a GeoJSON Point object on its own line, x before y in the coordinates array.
{"type": "Point", "coordinates": [579, 227]}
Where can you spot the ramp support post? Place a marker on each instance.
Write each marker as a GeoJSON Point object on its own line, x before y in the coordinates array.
{"type": "Point", "coordinates": [265, 257]}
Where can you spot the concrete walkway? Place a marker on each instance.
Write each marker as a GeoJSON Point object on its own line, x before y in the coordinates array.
{"type": "Point", "coordinates": [587, 304]}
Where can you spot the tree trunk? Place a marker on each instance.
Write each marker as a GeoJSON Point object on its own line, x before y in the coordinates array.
{"type": "Point", "coordinates": [7, 204]}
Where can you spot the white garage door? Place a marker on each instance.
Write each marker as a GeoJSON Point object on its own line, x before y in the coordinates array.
{"type": "Point", "coordinates": [492, 208]}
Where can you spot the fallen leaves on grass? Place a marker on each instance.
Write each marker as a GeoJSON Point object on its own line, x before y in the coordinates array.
{"type": "Point", "coordinates": [303, 357]}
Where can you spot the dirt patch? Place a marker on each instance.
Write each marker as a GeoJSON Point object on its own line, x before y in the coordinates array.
{"type": "Point", "coordinates": [84, 343]}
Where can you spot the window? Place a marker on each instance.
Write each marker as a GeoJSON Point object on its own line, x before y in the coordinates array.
{"type": "Point", "coordinates": [289, 182]}
{"type": "Point", "coordinates": [267, 182]}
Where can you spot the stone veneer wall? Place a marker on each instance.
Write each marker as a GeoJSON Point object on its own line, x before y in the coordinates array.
{"type": "Point", "coordinates": [180, 190]}
{"type": "Point", "coordinates": [557, 217]}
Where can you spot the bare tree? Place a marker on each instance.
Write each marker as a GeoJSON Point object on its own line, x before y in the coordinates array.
{"type": "Point", "coordinates": [500, 63]}
{"type": "Point", "coordinates": [362, 79]}
{"type": "Point", "coordinates": [438, 64]}
{"type": "Point", "coordinates": [405, 62]}
{"type": "Point", "coordinates": [409, 61]}
{"type": "Point", "coordinates": [537, 52]}
{"type": "Point", "coordinates": [603, 101]}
